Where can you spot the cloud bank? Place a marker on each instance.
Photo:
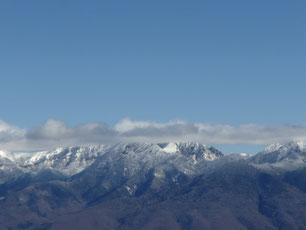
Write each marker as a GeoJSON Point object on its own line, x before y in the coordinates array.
{"type": "Point", "coordinates": [54, 133]}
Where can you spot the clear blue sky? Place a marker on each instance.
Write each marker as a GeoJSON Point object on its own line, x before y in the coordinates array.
{"type": "Point", "coordinates": [227, 62]}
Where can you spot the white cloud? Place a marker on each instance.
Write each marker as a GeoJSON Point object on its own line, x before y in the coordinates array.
{"type": "Point", "coordinates": [56, 133]}
{"type": "Point", "coordinates": [10, 134]}
{"type": "Point", "coordinates": [209, 134]}
{"type": "Point", "coordinates": [52, 130]}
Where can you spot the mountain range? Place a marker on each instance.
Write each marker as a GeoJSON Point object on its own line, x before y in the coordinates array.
{"type": "Point", "coordinates": [154, 186]}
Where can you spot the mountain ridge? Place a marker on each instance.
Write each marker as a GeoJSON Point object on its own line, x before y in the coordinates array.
{"type": "Point", "coordinates": [136, 185]}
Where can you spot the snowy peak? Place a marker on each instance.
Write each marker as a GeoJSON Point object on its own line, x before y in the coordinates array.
{"type": "Point", "coordinates": [272, 148]}
{"type": "Point", "coordinates": [186, 149]}
{"type": "Point", "coordinates": [291, 146]}
{"type": "Point", "coordinates": [8, 169]}
{"type": "Point", "coordinates": [129, 159]}
{"type": "Point", "coordinates": [192, 149]}
{"type": "Point", "coordinates": [4, 154]}
{"type": "Point", "coordinates": [301, 145]}
{"type": "Point", "coordinates": [72, 160]}
{"type": "Point", "coordinates": [67, 161]}
{"type": "Point", "coordinates": [171, 148]}
{"type": "Point", "coordinates": [199, 151]}
{"type": "Point", "coordinates": [289, 156]}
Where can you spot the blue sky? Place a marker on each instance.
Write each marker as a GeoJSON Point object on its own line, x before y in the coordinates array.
{"type": "Point", "coordinates": [215, 62]}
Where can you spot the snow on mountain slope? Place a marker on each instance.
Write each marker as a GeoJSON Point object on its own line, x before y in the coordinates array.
{"type": "Point", "coordinates": [286, 157]}
{"type": "Point", "coordinates": [272, 148]}
{"type": "Point", "coordinates": [72, 160]}
{"type": "Point", "coordinates": [186, 153]}
{"type": "Point", "coordinates": [182, 155]}
{"type": "Point", "coordinates": [128, 159]}
{"type": "Point", "coordinates": [8, 169]}
{"type": "Point", "coordinates": [4, 154]}
{"type": "Point", "coordinates": [67, 161]}
{"type": "Point", "coordinates": [194, 151]}
{"type": "Point", "coordinates": [188, 180]}
{"type": "Point", "coordinates": [136, 167]}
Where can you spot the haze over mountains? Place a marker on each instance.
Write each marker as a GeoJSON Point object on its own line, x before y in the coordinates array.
{"type": "Point", "coordinates": [154, 186]}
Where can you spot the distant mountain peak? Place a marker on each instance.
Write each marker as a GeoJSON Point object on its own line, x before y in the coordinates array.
{"type": "Point", "coordinates": [171, 147]}
{"type": "Point", "coordinates": [4, 154]}
{"type": "Point", "coordinates": [288, 156]}
{"type": "Point", "coordinates": [181, 146]}
{"type": "Point", "coordinates": [192, 149]}
{"type": "Point", "coordinates": [272, 148]}
{"type": "Point", "coordinates": [297, 144]}
{"type": "Point", "coordinates": [300, 145]}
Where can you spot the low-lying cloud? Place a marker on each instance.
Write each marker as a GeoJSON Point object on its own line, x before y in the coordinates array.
{"type": "Point", "coordinates": [54, 133]}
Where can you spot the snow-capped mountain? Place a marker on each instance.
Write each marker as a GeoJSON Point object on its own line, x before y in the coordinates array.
{"type": "Point", "coordinates": [195, 150]}
{"type": "Point", "coordinates": [187, 157]}
{"type": "Point", "coordinates": [287, 157]}
{"type": "Point", "coordinates": [129, 160]}
{"type": "Point", "coordinates": [69, 161]}
{"type": "Point", "coordinates": [135, 164]}
{"type": "Point", "coordinates": [8, 169]}
{"type": "Point", "coordinates": [128, 184]}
